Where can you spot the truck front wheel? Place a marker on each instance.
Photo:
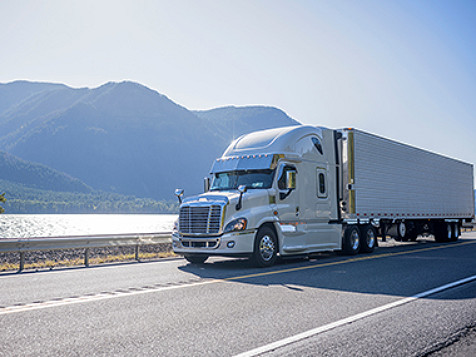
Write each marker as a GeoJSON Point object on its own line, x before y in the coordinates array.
{"type": "Point", "coordinates": [265, 248]}
{"type": "Point", "coordinates": [195, 258]}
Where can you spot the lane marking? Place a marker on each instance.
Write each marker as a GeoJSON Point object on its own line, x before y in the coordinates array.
{"type": "Point", "coordinates": [351, 260]}
{"type": "Point", "coordinates": [94, 297]}
{"type": "Point", "coordinates": [313, 332]}
{"type": "Point", "coordinates": [130, 292]}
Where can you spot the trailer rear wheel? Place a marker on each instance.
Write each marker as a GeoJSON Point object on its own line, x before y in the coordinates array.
{"type": "Point", "coordinates": [351, 241]}
{"type": "Point", "coordinates": [369, 238]}
{"type": "Point", "coordinates": [455, 232]}
{"type": "Point", "coordinates": [443, 232]}
{"type": "Point", "coordinates": [412, 235]}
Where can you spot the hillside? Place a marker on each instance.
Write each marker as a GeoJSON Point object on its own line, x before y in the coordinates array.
{"type": "Point", "coordinates": [38, 176]}
{"type": "Point", "coordinates": [122, 137]}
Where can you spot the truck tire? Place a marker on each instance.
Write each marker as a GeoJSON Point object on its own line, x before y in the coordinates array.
{"type": "Point", "coordinates": [442, 232]}
{"type": "Point", "coordinates": [455, 232]}
{"type": "Point", "coordinates": [412, 235]}
{"type": "Point", "coordinates": [402, 232]}
{"type": "Point", "coordinates": [265, 249]}
{"type": "Point", "coordinates": [351, 240]}
{"type": "Point", "coordinates": [369, 238]}
{"type": "Point", "coordinates": [195, 258]}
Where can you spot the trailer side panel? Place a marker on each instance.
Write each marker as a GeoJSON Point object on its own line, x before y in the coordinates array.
{"type": "Point", "coordinates": [388, 179]}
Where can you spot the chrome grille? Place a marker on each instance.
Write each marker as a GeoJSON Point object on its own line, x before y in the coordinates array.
{"type": "Point", "coordinates": [200, 219]}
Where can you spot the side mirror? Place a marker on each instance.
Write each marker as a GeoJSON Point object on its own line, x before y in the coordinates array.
{"type": "Point", "coordinates": [179, 194]}
{"type": "Point", "coordinates": [291, 179]}
{"type": "Point", "coordinates": [241, 189]}
{"type": "Point", "coordinates": [206, 184]}
{"type": "Point", "coordinates": [289, 183]}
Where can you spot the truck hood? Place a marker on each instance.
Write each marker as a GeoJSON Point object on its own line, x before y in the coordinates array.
{"type": "Point", "coordinates": [218, 196]}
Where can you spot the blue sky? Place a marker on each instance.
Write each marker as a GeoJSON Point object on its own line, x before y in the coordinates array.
{"type": "Point", "coordinates": [402, 69]}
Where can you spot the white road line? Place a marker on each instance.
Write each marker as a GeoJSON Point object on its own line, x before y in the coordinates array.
{"type": "Point", "coordinates": [292, 339]}
{"type": "Point", "coordinates": [96, 297]}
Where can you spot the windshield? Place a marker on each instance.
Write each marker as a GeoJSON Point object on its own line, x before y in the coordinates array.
{"type": "Point", "coordinates": [250, 178]}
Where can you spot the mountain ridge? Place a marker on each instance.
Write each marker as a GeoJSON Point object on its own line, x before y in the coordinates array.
{"type": "Point", "coordinates": [123, 136]}
{"type": "Point", "coordinates": [38, 176]}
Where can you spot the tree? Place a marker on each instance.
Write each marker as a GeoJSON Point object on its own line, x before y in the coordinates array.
{"type": "Point", "coordinates": [2, 200]}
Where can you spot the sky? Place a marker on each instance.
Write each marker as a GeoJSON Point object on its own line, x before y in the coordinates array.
{"type": "Point", "coordinates": [405, 70]}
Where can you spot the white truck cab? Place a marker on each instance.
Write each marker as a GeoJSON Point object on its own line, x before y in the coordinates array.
{"type": "Point", "coordinates": [289, 191]}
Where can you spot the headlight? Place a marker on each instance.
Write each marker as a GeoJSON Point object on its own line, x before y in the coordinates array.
{"type": "Point", "coordinates": [236, 225]}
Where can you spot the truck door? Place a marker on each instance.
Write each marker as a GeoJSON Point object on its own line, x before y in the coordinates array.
{"type": "Point", "coordinates": [289, 210]}
{"type": "Point", "coordinates": [322, 234]}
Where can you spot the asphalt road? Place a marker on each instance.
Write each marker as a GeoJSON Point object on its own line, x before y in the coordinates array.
{"type": "Point", "coordinates": [328, 305]}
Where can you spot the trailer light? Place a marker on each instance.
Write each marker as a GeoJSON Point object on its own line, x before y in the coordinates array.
{"type": "Point", "coordinates": [236, 225]}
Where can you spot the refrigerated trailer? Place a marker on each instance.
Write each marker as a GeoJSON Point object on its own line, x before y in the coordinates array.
{"type": "Point", "coordinates": [302, 189]}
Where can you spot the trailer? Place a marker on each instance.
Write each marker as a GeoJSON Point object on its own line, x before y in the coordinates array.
{"type": "Point", "coordinates": [409, 190]}
{"type": "Point", "coordinates": [301, 189]}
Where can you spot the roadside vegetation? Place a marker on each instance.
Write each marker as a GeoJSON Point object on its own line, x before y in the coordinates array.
{"type": "Point", "coordinates": [2, 200]}
{"type": "Point", "coordinates": [24, 199]}
{"type": "Point", "coordinates": [51, 264]}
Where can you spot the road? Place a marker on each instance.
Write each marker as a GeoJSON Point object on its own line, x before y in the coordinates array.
{"type": "Point", "coordinates": [328, 305]}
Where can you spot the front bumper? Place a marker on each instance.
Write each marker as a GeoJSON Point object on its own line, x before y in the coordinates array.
{"type": "Point", "coordinates": [233, 243]}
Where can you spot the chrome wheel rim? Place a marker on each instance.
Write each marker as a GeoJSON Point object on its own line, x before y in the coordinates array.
{"type": "Point", "coordinates": [266, 248]}
{"type": "Point", "coordinates": [355, 239]}
{"type": "Point", "coordinates": [402, 228]}
{"type": "Point", "coordinates": [449, 230]}
{"type": "Point", "coordinates": [370, 238]}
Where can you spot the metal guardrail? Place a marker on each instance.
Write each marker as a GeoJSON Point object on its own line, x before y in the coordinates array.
{"type": "Point", "coordinates": [24, 245]}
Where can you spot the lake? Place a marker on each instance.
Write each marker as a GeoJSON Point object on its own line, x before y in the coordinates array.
{"type": "Point", "coordinates": [51, 225]}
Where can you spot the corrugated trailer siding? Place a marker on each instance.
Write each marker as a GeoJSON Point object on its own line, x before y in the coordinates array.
{"type": "Point", "coordinates": [395, 180]}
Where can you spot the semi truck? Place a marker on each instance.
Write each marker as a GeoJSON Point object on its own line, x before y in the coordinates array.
{"type": "Point", "coordinates": [299, 190]}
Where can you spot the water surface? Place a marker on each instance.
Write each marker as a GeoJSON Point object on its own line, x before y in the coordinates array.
{"type": "Point", "coordinates": [54, 225]}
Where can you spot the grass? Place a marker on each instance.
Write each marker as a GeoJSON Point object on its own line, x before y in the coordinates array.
{"type": "Point", "coordinates": [45, 264]}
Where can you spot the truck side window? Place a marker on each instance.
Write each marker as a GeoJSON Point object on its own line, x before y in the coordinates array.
{"type": "Point", "coordinates": [317, 144]}
{"type": "Point", "coordinates": [321, 183]}
{"type": "Point", "coordinates": [282, 177]}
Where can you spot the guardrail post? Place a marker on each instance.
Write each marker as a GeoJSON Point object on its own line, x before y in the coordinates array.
{"type": "Point", "coordinates": [22, 261]}
{"type": "Point", "coordinates": [137, 252]}
{"type": "Point", "coordinates": [86, 257]}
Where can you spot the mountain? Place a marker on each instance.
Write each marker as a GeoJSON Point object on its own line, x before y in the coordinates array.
{"type": "Point", "coordinates": [122, 137]}
{"type": "Point", "coordinates": [232, 122]}
{"type": "Point", "coordinates": [38, 176]}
